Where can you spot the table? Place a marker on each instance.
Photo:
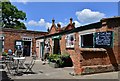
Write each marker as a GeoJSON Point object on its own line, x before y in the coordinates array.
{"type": "Point", "coordinates": [18, 61]}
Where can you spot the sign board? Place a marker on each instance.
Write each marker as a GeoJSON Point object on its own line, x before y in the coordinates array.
{"type": "Point", "coordinates": [56, 37]}
{"type": "Point", "coordinates": [104, 39]}
{"type": "Point", "coordinates": [18, 44]}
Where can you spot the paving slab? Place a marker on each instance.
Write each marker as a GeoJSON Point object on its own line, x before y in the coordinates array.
{"type": "Point", "coordinates": [47, 72]}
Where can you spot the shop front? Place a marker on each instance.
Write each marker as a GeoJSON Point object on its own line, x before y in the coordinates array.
{"type": "Point", "coordinates": [93, 48]}
{"type": "Point", "coordinates": [19, 39]}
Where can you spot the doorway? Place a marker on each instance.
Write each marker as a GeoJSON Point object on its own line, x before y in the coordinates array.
{"type": "Point", "coordinates": [26, 48]}
{"type": "Point", "coordinates": [41, 49]}
{"type": "Point", "coordinates": [56, 47]}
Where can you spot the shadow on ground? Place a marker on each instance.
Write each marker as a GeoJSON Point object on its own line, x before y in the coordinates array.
{"type": "Point", "coordinates": [5, 76]}
{"type": "Point", "coordinates": [30, 73]}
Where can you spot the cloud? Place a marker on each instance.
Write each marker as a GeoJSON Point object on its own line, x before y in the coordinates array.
{"type": "Point", "coordinates": [62, 24]}
{"type": "Point", "coordinates": [77, 24]}
{"type": "Point", "coordinates": [43, 23]}
{"type": "Point", "coordinates": [24, 1]}
{"type": "Point", "coordinates": [89, 16]}
{"type": "Point", "coordinates": [40, 23]}
{"type": "Point", "coordinates": [21, 1]}
{"type": "Point", "coordinates": [48, 25]}
{"type": "Point", "coordinates": [32, 23]}
{"type": "Point", "coordinates": [69, 0]}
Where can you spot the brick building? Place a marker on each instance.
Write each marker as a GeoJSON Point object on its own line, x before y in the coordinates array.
{"type": "Point", "coordinates": [13, 38]}
{"type": "Point", "coordinates": [92, 48]}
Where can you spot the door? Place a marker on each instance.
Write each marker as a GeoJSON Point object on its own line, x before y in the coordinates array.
{"type": "Point", "coordinates": [26, 48]}
{"type": "Point", "coordinates": [56, 47]}
{"type": "Point", "coordinates": [41, 49]}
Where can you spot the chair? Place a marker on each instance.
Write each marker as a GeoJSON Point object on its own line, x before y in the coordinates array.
{"type": "Point", "coordinates": [9, 64]}
{"type": "Point", "coordinates": [31, 64]}
{"type": "Point", "coordinates": [21, 62]}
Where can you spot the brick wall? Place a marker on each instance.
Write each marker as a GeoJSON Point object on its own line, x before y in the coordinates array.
{"type": "Point", "coordinates": [9, 40]}
{"type": "Point", "coordinates": [91, 58]}
{"type": "Point", "coordinates": [94, 58]}
{"type": "Point", "coordinates": [12, 35]}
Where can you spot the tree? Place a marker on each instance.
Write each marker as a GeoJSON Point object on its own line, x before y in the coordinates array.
{"type": "Point", "coordinates": [11, 16]}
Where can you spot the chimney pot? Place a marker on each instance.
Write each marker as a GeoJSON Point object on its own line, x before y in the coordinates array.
{"type": "Point", "coordinates": [58, 25]}
{"type": "Point", "coordinates": [71, 21]}
{"type": "Point", "coordinates": [74, 24]}
{"type": "Point", "coordinates": [53, 21]}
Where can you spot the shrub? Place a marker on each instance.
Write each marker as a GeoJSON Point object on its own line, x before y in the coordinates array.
{"type": "Point", "coordinates": [56, 58]}
{"type": "Point", "coordinates": [53, 57]}
{"type": "Point", "coordinates": [4, 54]}
{"type": "Point", "coordinates": [61, 60]}
{"type": "Point", "coordinates": [65, 56]}
{"type": "Point", "coordinates": [67, 60]}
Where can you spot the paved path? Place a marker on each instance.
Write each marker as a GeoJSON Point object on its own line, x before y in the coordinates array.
{"type": "Point", "coordinates": [47, 72]}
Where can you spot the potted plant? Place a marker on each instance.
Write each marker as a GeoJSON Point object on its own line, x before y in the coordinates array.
{"type": "Point", "coordinates": [55, 60]}
{"type": "Point", "coordinates": [67, 62]}
{"type": "Point", "coordinates": [4, 54]}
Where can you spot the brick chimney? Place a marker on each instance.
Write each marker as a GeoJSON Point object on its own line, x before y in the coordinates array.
{"type": "Point", "coordinates": [59, 27]}
{"type": "Point", "coordinates": [74, 24]}
{"type": "Point", "coordinates": [71, 21]}
{"type": "Point", "coordinates": [53, 21]}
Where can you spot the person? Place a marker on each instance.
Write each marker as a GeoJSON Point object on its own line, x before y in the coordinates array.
{"type": "Point", "coordinates": [9, 52]}
{"type": "Point", "coordinates": [19, 51]}
{"type": "Point", "coordinates": [46, 53]}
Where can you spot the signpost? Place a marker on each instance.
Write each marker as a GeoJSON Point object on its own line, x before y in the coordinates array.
{"type": "Point", "coordinates": [104, 39]}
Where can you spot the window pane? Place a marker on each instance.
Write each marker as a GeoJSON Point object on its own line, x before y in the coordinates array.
{"type": "Point", "coordinates": [87, 40]}
{"type": "Point", "coordinates": [70, 41]}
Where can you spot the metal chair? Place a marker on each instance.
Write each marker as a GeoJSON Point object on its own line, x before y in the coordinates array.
{"type": "Point", "coordinates": [31, 64]}
{"type": "Point", "coordinates": [9, 64]}
{"type": "Point", "coordinates": [21, 62]}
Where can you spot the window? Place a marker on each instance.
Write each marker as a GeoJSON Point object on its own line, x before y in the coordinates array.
{"type": "Point", "coordinates": [70, 41]}
{"type": "Point", "coordinates": [96, 39]}
{"type": "Point", "coordinates": [2, 44]}
{"type": "Point", "coordinates": [87, 40]}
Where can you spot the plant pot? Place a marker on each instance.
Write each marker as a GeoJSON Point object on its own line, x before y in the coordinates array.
{"type": "Point", "coordinates": [54, 64]}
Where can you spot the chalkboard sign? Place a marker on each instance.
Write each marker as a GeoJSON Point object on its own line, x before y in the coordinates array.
{"type": "Point", "coordinates": [104, 39]}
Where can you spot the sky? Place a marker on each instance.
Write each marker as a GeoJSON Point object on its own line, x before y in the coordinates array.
{"type": "Point", "coordinates": [40, 14]}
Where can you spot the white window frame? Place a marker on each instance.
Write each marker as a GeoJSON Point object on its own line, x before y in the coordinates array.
{"type": "Point", "coordinates": [91, 31]}
{"type": "Point", "coordinates": [27, 39]}
{"type": "Point", "coordinates": [38, 44]}
{"type": "Point", "coordinates": [67, 43]}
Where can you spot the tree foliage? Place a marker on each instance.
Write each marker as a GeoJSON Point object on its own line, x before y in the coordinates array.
{"type": "Point", "coordinates": [11, 16]}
